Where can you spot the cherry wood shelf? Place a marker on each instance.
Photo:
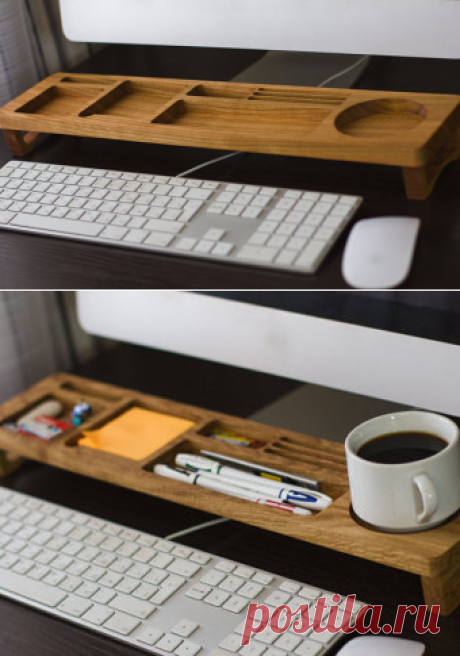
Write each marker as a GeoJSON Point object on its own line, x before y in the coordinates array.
{"type": "Point", "coordinates": [434, 555]}
{"type": "Point", "coordinates": [418, 132]}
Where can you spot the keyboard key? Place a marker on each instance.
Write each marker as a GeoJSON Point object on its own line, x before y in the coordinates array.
{"type": "Point", "coordinates": [121, 623]}
{"type": "Point", "coordinates": [128, 604]}
{"type": "Point", "coordinates": [236, 604]}
{"type": "Point", "coordinates": [231, 643]}
{"type": "Point", "coordinates": [183, 568]}
{"type": "Point", "coordinates": [97, 614]}
{"type": "Point", "coordinates": [5, 217]}
{"type": "Point", "coordinates": [277, 241]}
{"type": "Point", "coordinates": [163, 226]}
{"type": "Point", "coordinates": [198, 591]}
{"type": "Point", "coordinates": [258, 253]}
{"type": "Point", "coordinates": [150, 636]}
{"type": "Point", "coordinates": [258, 239]}
{"type": "Point", "coordinates": [217, 208]}
{"type": "Point", "coordinates": [223, 248]}
{"type": "Point", "coordinates": [75, 606]}
{"type": "Point", "coordinates": [204, 246]}
{"type": "Point", "coordinates": [159, 239]}
{"type": "Point", "coordinates": [285, 204]}
{"type": "Point", "coordinates": [213, 577]}
{"type": "Point", "coordinates": [216, 597]}
{"type": "Point", "coordinates": [251, 212]}
{"type": "Point", "coordinates": [58, 225]}
{"type": "Point", "coordinates": [136, 236]}
{"type": "Point", "coordinates": [184, 628]}
{"type": "Point", "coordinates": [112, 232]}
{"type": "Point", "coordinates": [214, 234]}
{"type": "Point", "coordinates": [185, 244]}
{"type": "Point", "coordinates": [288, 642]}
{"type": "Point", "coordinates": [234, 210]}
{"type": "Point", "coordinates": [311, 254]}
{"type": "Point", "coordinates": [198, 194]}
{"type": "Point", "coordinates": [324, 233]}
{"type": "Point", "coordinates": [188, 648]}
{"type": "Point", "coordinates": [168, 643]}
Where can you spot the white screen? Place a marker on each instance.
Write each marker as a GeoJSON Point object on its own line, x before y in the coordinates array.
{"type": "Point", "coordinates": [373, 362]}
{"type": "Point", "coordinates": [421, 28]}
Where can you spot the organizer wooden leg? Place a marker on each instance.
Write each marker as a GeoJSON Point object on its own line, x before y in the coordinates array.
{"type": "Point", "coordinates": [9, 463]}
{"type": "Point", "coordinates": [20, 144]}
{"type": "Point", "coordinates": [420, 182]}
{"type": "Point", "coordinates": [443, 590]}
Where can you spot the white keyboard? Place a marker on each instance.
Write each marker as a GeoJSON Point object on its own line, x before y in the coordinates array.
{"type": "Point", "coordinates": [157, 595]}
{"type": "Point", "coordinates": [261, 226]}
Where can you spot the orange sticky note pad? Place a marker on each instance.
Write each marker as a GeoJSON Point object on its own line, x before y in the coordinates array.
{"type": "Point", "coordinates": [136, 433]}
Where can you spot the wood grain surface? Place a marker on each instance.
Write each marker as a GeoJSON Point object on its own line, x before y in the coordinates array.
{"type": "Point", "coordinates": [419, 132]}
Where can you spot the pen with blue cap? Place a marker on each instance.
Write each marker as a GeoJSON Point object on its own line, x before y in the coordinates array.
{"type": "Point", "coordinates": [218, 484]}
{"type": "Point", "coordinates": [297, 496]}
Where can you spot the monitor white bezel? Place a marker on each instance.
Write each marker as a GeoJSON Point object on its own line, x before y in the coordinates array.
{"type": "Point", "coordinates": [420, 28]}
{"type": "Point", "coordinates": [376, 363]}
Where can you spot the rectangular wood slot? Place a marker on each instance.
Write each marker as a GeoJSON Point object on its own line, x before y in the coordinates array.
{"type": "Point", "coordinates": [432, 554]}
{"type": "Point", "coordinates": [213, 91]}
{"type": "Point", "coordinates": [293, 96]}
{"type": "Point", "coordinates": [130, 100]}
{"type": "Point", "coordinates": [60, 100]}
{"type": "Point", "coordinates": [229, 115]}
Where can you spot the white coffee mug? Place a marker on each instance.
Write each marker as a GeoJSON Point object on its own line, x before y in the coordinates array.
{"type": "Point", "coordinates": [409, 496]}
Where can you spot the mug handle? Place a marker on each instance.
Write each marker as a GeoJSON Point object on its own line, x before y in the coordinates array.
{"type": "Point", "coordinates": [428, 496]}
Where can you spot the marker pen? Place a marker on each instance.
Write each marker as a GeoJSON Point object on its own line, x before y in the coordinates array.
{"type": "Point", "coordinates": [295, 495]}
{"type": "Point", "coordinates": [210, 482]}
{"type": "Point", "coordinates": [267, 473]}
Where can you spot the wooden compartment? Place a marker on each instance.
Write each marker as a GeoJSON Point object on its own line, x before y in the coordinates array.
{"type": "Point", "coordinates": [60, 100]}
{"type": "Point", "coordinates": [131, 100]}
{"type": "Point", "coordinates": [414, 131]}
{"type": "Point", "coordinates": [434, 555]}
{"type": "Point", "coordinates": [227, 116]}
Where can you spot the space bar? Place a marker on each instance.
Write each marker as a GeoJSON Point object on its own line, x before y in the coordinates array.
{"type": "Point", "coordinates": [30, 589]}
{"type": "Point", "coordinates": [59, 225]}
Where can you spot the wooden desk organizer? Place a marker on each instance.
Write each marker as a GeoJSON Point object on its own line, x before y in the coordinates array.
{"type": "Point", "coordinates": [418, 132]}
{"type": "Point", "coordinates": [434, 555]}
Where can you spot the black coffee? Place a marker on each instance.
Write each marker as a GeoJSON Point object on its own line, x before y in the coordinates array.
{"type": "Point", "coordinates": [396, 448]}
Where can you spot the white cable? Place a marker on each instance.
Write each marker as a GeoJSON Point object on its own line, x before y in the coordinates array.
{"type": "Point", "coordinates": [238, 152]}
{"type": "Point", "coordinates": [197, 527]}
{"type": "Point", "coordinates": [212, 161]}
{"type": "Point", "coordinates": [345, 70]}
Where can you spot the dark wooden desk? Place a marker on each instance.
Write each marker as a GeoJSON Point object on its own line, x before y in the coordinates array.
{"type": "Point", "coordinates": [24, 632]}
{"type": "Point", "coordinates": [28, 261]}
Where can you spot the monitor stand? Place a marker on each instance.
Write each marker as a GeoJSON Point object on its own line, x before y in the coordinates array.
{"type": "Point", "coordinates": [303, 69]}
{"type": "Point", "coordinates": [323, 412]}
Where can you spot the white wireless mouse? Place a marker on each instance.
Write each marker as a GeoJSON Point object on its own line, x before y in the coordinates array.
{"type": "Point", "coordinates": [382, 646]}
{"type": "Point", "coordinates": [379, 252]}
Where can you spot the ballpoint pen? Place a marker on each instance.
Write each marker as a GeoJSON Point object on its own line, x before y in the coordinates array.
{"type": "Point", "coordinates": [210, 482]}
{"type": "Point", "coordinates": [264, 472]}
{"type": "Point", "coordinates": [295, 495]}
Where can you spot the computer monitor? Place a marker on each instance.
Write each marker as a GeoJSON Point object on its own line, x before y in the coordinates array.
{"type": "Point", "coordinates": [403, 347]}
{"type": "Point", "coordinates": [420, 28]}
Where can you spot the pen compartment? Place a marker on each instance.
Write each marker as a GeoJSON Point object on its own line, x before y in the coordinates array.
{"type": "Point", "coordinates": [433, 555]}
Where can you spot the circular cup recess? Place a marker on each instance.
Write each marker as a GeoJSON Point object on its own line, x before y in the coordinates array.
{"type": "Point", "coordinates": [380, 118]}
